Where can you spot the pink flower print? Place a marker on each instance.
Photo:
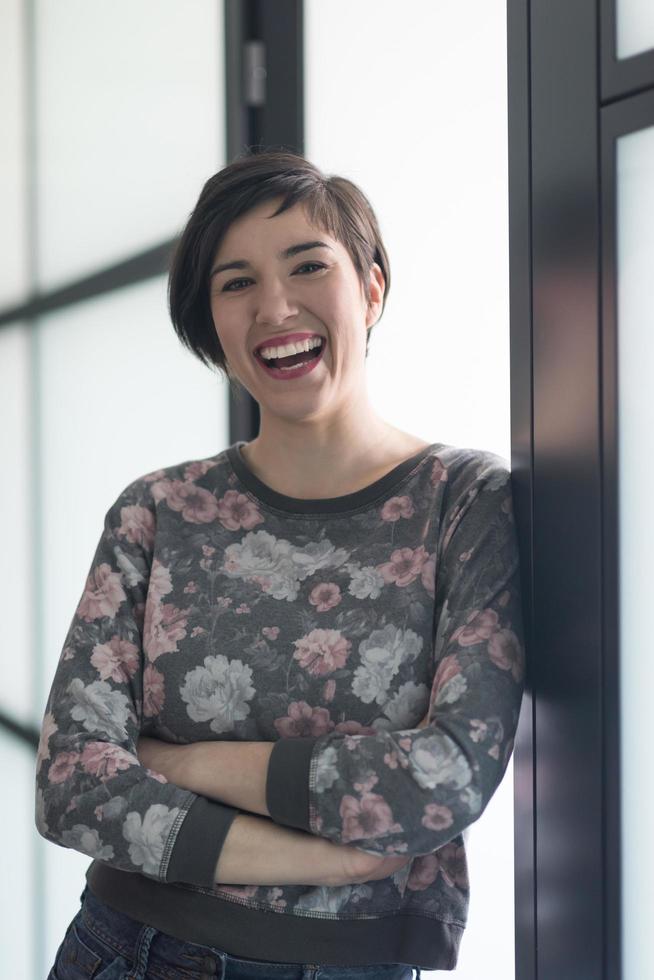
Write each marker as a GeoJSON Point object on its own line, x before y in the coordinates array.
{"type": "Point", "coordinates": [329, 690]}
{"type": "Point", "coordinates": [325, 596]}
{"type": "Point", "coordinates": [208, 550]}
{"type": "Point", "coordinates": [236, 511]}
{"type": "Point", "coordinates": [304, 720]}
{"type": "Point", "coordinates": [67, 653]}
{"type": "Point", "coordinates": [274, 898]}
{"type": "Point", "coordinates": [198, 468]}
{"type": "Point", "coordinates": [243, 608]}
{"type": "Point", "coordinates": [478, 730]}
{"type": "Point", "coordinates": [161, 487]}
{"type": "Point", "coordinates": [48, 728]}
{"type": "Point", "coordinates": [505, 651]}
{"type": "Point", "coordinates": [155, 475]}
{"type": "Point", "coordinates": [390, 758]}
{"type": "Point", "coordinates": [479, 627]}
{"type": "Point", "coordinates": [103, 594]}
{"type": "Point", "coordinates": [406, 744]}
{"type": "Point", "coordinates": [224, 601]}
{"type": "Point", "coordinates": [244, 891]}
{"type": "Point", "coordinates": [137, 525]}
{"type": "Point", "coordinates": [160, 581]}
{"type": "Point", "coordinates": [437, 817]}
{"type": "Point", "coordinates": [354, 728]}
{"type": "Point", "coordinates": [165, 626]}
{"type": "Point", "coordinates": [270, 632]}
{"type": "Point", "coordinates": [428, 575]}
{"type": "Point", "coordinates": [322, 651]}
{"type": "Point", "coordinates": [404, 567]}
{"type": "Point", "coordinates": [63, 766]}
{"type": "Point", "coordinates": [153, 691]}
{"type": "Point", "coordinates": [190, 588]}
{"type": "Point", "coordinates": [503, 599]}
{"type": "Point", "coordinates": [397, 507]}
{"type": "Point", "coordinates": [159, 776]}
{"type": "Point", "coordinates": [104, 759]}
{"type": "Point", "coordinates": [369, 817]}
{"type": "Point", "coordinates": [72, 805]}
{"type": "Point", "coordinates": [198, 631]}
{"type": "Point", "coordinates": [98, 811]}
{"type": "Point", "coordinates": [117, 659]}
{"type": "Point", "coordinates": [196, 505]}
{"type": "Point", "coordinates": [424, 871]}
{"type": "Point", "coordinates": [494, 751]}
{"type": "Point", "coordinates": [438, 473]}
{"type": "Point", "coordinates": [453, 865]}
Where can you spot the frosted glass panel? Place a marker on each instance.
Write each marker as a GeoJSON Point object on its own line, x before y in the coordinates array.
{"type": "Point", "coordinates": [438, 363]}
{"type": "Point", "coordinates": [17, 555]}
{"type": "Point", "coordinates": [120, 397]}
{"type": "Point", "coordinates": [635, 27]}
{"type": "Point", "coordinates": [442, 201]}
{"type": "Point", "coordinates": [130, 124]}
{"type": "Point", "coordinates": [635, 197]}
{"type": "Point", "coordinates": [18, 948]}
{"type": "Point", "coordinates": [13, 174]}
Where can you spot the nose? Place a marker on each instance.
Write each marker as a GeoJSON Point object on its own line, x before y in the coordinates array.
{"type": "Point", "coordinates": [273, 303]}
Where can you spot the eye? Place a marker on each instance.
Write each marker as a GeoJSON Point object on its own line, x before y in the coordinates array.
{"type": "Point", "coordinates": [227, 287]}
{"type": "Point", "coordinates": [316, 265]}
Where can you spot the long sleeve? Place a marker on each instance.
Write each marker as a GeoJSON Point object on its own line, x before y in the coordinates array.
{"type": "Point", "coordinates": [92, 794]}
{"type": "Point", "coordinates": [411, 791]}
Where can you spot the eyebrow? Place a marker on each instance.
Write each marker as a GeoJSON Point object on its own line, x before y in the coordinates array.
{"type": "Point", "coordinates": [286, 253]}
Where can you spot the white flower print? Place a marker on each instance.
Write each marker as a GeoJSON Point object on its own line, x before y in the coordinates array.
{"type": "Point", "coordinates": [84, 839]}
{"type": "Point", "coordinates": [131, 574]}
{"type": "Point", "coordinates": [410, 702]}
{"type": "Point", "coordinates": [452, 690]}
{"type": "Point", "coordinates": [99, 708]}
{"type": "Point", "coordinates": [436, 761]}
{"type": "Point", "coordinates": [366, 583]}
{"type": "Point", "coordinates": [326, 770]}
{"type": "Point", "coordinates": [148, 837]}
{"type": "Point", "coordinates": [276, 565]}
{"type": "Point", "coordinates": [325, 899]}
{"type": "Point", "coordinates": [218, 692]}
{"type": "Point", "coordinates": [381, 655]}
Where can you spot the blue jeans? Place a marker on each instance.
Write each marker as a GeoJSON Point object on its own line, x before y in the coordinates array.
{"type": "Point", "coordinates": [106, 945]}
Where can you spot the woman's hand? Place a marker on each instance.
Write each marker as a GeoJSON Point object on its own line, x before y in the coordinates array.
{"type": "Point", "coordinates": [163, 757]}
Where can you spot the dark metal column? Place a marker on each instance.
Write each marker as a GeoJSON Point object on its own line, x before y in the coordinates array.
{"type": "Point", "coordinates": [264, 87]}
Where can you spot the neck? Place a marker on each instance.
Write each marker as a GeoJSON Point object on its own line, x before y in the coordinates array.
{"type": "Point", "coordinates": [319, 460]}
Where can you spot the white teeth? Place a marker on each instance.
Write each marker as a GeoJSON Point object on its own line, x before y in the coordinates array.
{"type": "Point", "coordinates": [294, 348]}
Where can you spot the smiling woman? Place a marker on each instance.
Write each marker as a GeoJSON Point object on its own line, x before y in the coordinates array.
{"type": "Point", "coordinates": [294, 675]}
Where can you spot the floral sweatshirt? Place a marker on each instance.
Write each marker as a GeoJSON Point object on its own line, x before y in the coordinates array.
{"type": "Point", "coordinates": [217, 608]}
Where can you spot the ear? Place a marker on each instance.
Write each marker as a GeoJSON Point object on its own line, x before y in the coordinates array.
{"type": "Point", "coordinates": [377, 286]}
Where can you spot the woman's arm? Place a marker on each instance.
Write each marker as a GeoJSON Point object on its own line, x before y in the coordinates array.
{"type": "Point", "coordinates": [257, 851]}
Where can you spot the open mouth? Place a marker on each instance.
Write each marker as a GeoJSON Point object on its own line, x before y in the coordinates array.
{"type": "Point", "coordinates": [294, 365]}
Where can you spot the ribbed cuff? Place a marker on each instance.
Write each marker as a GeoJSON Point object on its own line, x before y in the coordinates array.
{"type": "Point", "coordinates": [199, 842]}
{"type": "Point", "coordinates": [287, 782]}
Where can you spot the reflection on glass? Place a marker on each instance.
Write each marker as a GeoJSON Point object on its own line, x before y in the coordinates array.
{"type": "Point", "coordinates": [635, 307]}
{"type": "Point", "coordinates": [634, 27]}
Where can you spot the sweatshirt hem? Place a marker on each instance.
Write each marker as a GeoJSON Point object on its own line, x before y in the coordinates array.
{"type": "Point", "coordinates": [277, 936]}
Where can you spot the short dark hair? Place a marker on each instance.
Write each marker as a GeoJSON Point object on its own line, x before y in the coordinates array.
{"type": "Point", "coordinates": [333, 203]}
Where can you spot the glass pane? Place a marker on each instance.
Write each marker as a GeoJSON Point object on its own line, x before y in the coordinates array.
{"type": "Point", "coordinates": [635, 201]}
{"type": "Point", "coordinates": [441, 213]}
{"type": "Point", "coordinates": [119, 397]}
{"type": "Point", "coordinates": [438, 362]}
{"type": "Point", "coordinates": [19, 950]}
{"type": "Point", "coordinates": [635, 27]}
{"type": "Point", "coordinates": [130, 125]}
{"type": "Point", "coordinates": [13, 170]}
{"type": "Point", "coordinates": [17, 583]}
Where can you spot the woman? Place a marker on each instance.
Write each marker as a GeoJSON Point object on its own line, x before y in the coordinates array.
{"type": "Point", "coordinates": [294, 674]}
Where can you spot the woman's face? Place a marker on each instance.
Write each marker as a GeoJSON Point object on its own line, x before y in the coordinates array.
{"type": "Point", "coordinates": [271, 294]}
